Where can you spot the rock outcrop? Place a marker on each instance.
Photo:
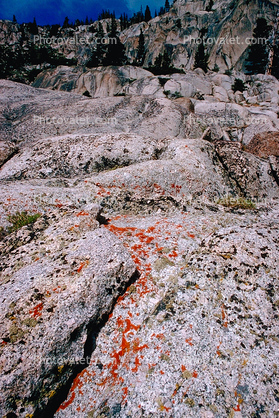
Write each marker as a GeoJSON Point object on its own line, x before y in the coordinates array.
{"type": "Point", "coordinates": [179, 31]}
{"type": "Point", "coordinates": [185, 206]}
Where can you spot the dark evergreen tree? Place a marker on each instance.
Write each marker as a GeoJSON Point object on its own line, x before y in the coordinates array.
{"type": "Point", "coordinates": [53, 31]}
{"type": "Point", "coordinates": [147, 14]}
{"type": "Point", "coordinates": [258, 52]}
{"type": "Point", "coordinates": [140, 50]}
{"type": "Point", "coordinates": [158, 63]}
{"type": "Point", "coordinates": [86, 20]}
{"type": "Point", "coordinates": [209, 6]}
{"type": "Point", "coordinates": [113, 28]}
{"type": "Point", "coordinates": [166, 62]}
{"type": "Point", "coordinates": [167, 6]}
{"type": "Point", "coordinates": [99, 52]}
{"type": "Point", "coordinates": [162, 64]}
{"type": "Point", "coordinates": [14, 19]}
{"type": "Point", "coordinates": [115, 51]}
{"type": "Point", "coordinates": [201, 58]}
{"type": "Point", "coordinates": [66, 23]}
{"type": "Point", "coordinates": [32, 27]}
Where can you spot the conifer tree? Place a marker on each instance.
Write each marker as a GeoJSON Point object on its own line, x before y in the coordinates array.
{"type": "Point", "coordinates": [147, 14]}
{"type": "Point", "coordinates": [167, 6]}
{"type": "Point", "coordinates": [140, 50]}
{"type": "Point", "coordinates": [201, 58]}
{"type": "Point", "coordinates": [258, 52]}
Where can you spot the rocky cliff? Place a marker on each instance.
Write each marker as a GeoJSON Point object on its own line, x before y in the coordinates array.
{"type": "Point", "coordinates": [226, 28]}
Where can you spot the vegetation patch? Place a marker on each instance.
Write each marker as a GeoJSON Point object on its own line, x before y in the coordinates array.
{"type": "Point", "coordinates": [236, 202]}
{"type": "Point", "coordinates": [20, 219]}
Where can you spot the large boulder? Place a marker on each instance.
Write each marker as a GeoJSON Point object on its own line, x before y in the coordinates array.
{"type": "Point", "coordinates": [264, 145]}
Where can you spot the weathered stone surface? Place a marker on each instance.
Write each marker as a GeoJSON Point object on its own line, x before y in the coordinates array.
{"type": "Point", "coordinates": [264, 145]}
{"type": "Point", "coordinates": [251, 176]}
{"type": "Point", "coordinates": [99, 82]}
{"type": "Point", "coordinates": [7, 150]}
{"type": "Point", "coordinates": [203, 311]}
{"type": "Point", "coordinates": [60, 277]}
{"type": "Point", "coordinates": [75, 155]}
{"type": "Point", "coordinates": [196, 336]}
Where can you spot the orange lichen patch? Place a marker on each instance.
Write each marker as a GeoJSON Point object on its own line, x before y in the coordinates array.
{"type": "Point", "coordinates": [37, 310]}
{"type": "Point", "coordinates": [183, 368]}
{"type": "Point", "coordinates": [195, 374]}
{"type": "Point", "coordinates": [173, 254]}
{"type": "Point", "coordinates": [218, 351]}
{"type": "Point", "coordinates": [85, 263]}
{"type": "Point", "coordinates": [225, 322]}
{"type": "Point", "coordinates": [137, 364]}
{"type": "Point", "coordinates": [77, 384]}
{"type": "Point", "coordinates": [237, 409]}
{"type": "Point", "coordinates": [190, 235]}
{"type": "Point", "coordinates": [189, 341]}
{"type": "Point", "coordinates": [161, 372]}
{"type": "Point", "coordinates": [82, 213]}
{"type": "Point", "coordinates": [125, 393]}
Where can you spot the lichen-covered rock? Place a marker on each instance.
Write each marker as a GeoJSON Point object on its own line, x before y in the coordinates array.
{"type": "Point", "coordinates": [252, 177]}
{"type": "Point", "coordinates": [264, 145]}
{"type": "Point", "coordinates": [59, 279]}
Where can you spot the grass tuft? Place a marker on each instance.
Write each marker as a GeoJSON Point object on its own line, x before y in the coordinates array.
{"type": "Point", "coordinates": [236, 202]}
{"type": "Point", "coordinates": [20, 219]}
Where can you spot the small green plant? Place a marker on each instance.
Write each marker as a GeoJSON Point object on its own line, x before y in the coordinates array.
{"type": "Point", "coordinates": [228, 72]}
{"type": "Point", "coordinates": [20, 219]}
{"type": "Point", "coordinates": [236, 202]}
{"type": "Point", "coordinates": [238, 85]}
{"type": "Point", "coordinates": [216, 68]}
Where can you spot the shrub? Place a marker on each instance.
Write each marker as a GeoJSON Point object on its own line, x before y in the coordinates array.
{"type": "Point", "coordinates": [238, 85]}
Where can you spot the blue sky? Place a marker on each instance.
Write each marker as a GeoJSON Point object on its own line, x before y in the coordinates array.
{"type": "Point", "coordinates": [54, 11]}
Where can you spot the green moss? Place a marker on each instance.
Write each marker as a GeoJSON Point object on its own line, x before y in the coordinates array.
{"type": "Point", "coordinates": [20, 219]}
{"type": "Point", "coordinates": [15, 333]}
{"type": "Point", "coordinates": [236, 202]}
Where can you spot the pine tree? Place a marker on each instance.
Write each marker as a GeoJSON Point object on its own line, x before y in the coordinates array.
{"type": "Point", "coordinates": [66, 23]}
{"type": "Point", "coordinates": [167, 6]}
{"type": "Point", "coordinates": [147, 14]}
{"type": "Point", "coordinates": [113, 28]}
{"type": "Point", "coordinates": [209, 6]}
{"type": "Point", "coordinates": [258, 53]}
{"type": "Point", "coordinates": [14, 19]}
{"type": "Point", "coordinates": [140, 50]}
{"type": "Point", "coordinates": [158, 63]}
{"type": "Point", "coordinates": [162, 64]}
{"type": "Point", "coordinates": [166, 62]}
{"type": "Point", "coordinates": [33, 28]}
{"type": "Point", "coordinates": [201, 58]}
{"type": "Point", "coordinates": [99, 53]}
{"type": "Point", "coordinates": [115, 51]}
